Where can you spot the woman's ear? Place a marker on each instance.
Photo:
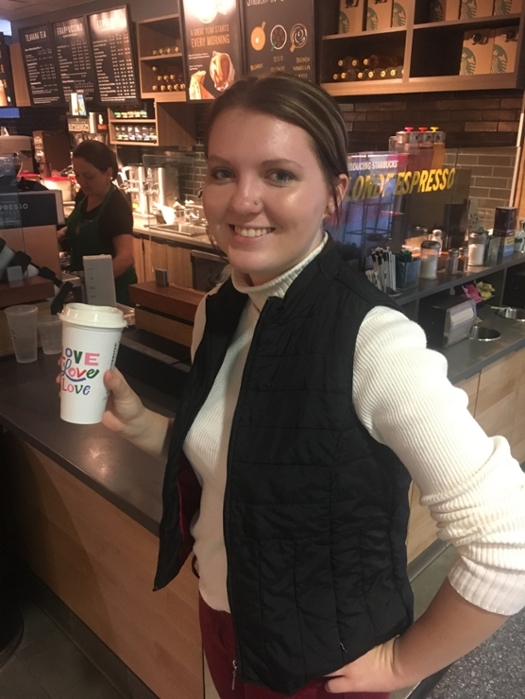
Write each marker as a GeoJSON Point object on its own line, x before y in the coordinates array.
{"type": "Point", "coordinates": [341, 186]}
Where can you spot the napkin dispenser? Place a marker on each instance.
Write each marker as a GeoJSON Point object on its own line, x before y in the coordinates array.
{"type": "Point", "coordinates": [448, 320]}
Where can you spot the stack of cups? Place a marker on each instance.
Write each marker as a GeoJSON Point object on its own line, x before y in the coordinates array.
{"type": "Point", "coordinates": [22, 323]}
{"type": "Point", "coordinates": [90, 340]}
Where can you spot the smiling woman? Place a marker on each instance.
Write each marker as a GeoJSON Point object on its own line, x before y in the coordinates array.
{"type": "Point", "coordinates": [304, 450]}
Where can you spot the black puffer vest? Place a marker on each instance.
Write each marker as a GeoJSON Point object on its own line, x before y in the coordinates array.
{"type": "Point", "coordinates": [316, 511]}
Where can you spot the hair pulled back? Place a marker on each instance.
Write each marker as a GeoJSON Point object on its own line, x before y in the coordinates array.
{"type": "Point", "coordinates": [97, 154]}
{"type": "Point", "coordinates": [297, 102]}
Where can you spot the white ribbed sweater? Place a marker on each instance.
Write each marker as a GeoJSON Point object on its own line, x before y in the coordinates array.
{"type": "Point", "coordinates": [474, 488]}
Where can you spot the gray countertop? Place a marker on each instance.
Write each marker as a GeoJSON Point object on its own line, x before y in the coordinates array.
{"type": "Point", "coordinates": [123, 474]}
{"type": "Point", "coordinates": [468, 357]}
{"type": "Point", "coordinates": [110, 465]}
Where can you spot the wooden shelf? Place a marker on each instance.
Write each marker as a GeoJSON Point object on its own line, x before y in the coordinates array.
{"type": "Point", "coordinates": [161, 58]}
{"type": "Point", "coordinates": [430, 53]}
{"type": "Point", "coordinates": [133, 121]}
{"type": "Point", "coordinates": [156, 34]}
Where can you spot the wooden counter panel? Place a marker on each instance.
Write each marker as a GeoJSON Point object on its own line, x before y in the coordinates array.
{"type": "Point", "coordinates": [101, 564]}
{"type": "Point", "coordinates": [470, 386]}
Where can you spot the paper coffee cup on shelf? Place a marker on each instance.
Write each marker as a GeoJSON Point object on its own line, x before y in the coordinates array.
{"type": "Point", "coordinates": [90, 342]}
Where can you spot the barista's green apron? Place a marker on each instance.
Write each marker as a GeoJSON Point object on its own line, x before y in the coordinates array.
{"type": "Point", "coordinates": [84, 239]}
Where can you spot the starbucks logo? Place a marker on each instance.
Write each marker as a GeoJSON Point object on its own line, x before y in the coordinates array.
{"type": "Point", "coordinates": [468, 62]}
{"type": "Point", "coordinates": [499, 60]}
{"type": "Point", "coordinates": [399, 18]}
{"type": "Point", "coordinates": [371, 19]}
{"type": "Point", "coordinates": [436, 10]}
{"type": "Point", "coordinates": [469, 9]}
{"type": "Point", "coordinates": [503, 7]}
{"type": "Point", "coordinates": [344, 26]}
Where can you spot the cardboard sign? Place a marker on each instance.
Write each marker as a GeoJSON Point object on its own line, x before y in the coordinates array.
{"type": "Point", "coordinates": [378, 15]}
{"type": "Point", "coordinates": [351, 16]}
{"type": "Point", "coordinates": [505, 50]}
{"type": "Point", "coordinates": [476, 56]}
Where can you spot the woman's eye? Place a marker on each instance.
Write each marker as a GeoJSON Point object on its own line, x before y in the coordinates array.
{"type": "Point", "coordinates": [281, 177]}
{"type": "Point", "coordinates": [221, 173]}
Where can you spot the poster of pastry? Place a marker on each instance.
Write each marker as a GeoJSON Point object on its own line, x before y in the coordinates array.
{"type": "Point", "coordinates": [213, 46]}
{"type": "Point", "coordinates": [280, 37]}
{"type": "Point", "coordinates": [7, 91]}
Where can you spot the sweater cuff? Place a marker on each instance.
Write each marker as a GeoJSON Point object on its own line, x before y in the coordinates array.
{"type": "Point", "coordinates": [495, 590]}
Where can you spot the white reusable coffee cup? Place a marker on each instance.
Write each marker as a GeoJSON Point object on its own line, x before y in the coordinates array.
{"type": "Point", "coordinates": [90, 342]}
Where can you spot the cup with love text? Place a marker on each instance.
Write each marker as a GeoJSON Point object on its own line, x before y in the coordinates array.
{"type": "Point", "coordinates": [90, 342]}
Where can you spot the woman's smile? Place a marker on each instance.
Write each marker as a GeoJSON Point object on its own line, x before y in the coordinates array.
{"type": "Point", "coordinates": [265, 194]}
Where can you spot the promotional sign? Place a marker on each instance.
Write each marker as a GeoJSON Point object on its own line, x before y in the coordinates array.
{"type": "Point", "coordinates": [213, 46]}
{"type": "Point", "coordinates": [387, 193]}
{"type": "Point", "coordinates": [280, 37]}
{"type": "Point", "coordinates": [113, 55]}
{"type": "Point", "coordinates": [41, 65]}
{"type": "Point", "coordinates": [7, 92]}
{"type": "Point", "coordinates": [77, 73]}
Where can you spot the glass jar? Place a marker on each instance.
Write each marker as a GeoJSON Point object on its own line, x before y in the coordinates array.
{"type": "Point", "coordinates": [463, 259]}
{"type": "Point", "coordinates": [429, 259]}
{"type": "Point", "coordinates": [476, 248]}
{"type": "Point", "coordinates": [451, 266]}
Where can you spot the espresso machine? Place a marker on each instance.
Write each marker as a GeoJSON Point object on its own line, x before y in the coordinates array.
{"type": "Point", "coordinates": [153, 187]}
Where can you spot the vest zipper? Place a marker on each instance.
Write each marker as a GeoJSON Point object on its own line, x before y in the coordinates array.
{"type": "Point", "coordinates": [234, 674]}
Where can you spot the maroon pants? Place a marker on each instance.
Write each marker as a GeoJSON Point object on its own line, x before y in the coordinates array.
{"type": "Point", "coordinates": [219, 647]}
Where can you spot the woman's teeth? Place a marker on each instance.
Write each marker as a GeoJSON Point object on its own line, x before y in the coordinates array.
{"type": "Point", "coordinates": [251, 232]}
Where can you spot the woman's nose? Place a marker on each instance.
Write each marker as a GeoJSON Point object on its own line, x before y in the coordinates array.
{"type": "Point", "coordinates": [245, 199]}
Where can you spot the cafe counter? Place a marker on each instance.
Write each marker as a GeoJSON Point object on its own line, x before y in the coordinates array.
{"type": "Point", "coordinates": [87, 506]}
{"type": "Point", "coordinates": [88, 503]}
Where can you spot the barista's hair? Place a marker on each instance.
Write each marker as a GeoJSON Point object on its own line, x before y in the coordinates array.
{"type": "Point", "coordinates": [97, 154]}
{"type": "Point", "coordinates": [298, 102]}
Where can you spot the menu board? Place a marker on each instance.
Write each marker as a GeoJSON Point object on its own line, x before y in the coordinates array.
{"type": "Point", "coordinates": [113, 55]}
{"type": "Point", "coordinates": [280, 37]}
{"type": "Point", "coordinates": [77, 73]}
{"type": "Point", "coordinates": [41, 65]}
{"type": "Point", "coordinates": [213, 46]}
{"type": "Point", "coordinates": [7, 92]}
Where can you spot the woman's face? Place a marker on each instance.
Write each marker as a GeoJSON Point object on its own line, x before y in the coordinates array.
{"type": "Point", "coordinates": [265, 194]}
{"type": "Point", "coordinates": [91, 180]}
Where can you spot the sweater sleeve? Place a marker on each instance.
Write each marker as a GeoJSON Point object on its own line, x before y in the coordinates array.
{"type": "Point", "coordinates": [473, 486]}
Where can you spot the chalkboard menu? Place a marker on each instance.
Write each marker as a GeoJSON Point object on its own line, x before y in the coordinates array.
{"type": "Point", "coordinates": [213, 47]}
{"type": "Point", "coordinates": [280, 37]}
{"type": "Point", "coordinates": [113, 55]}
{"type": "Point", "coordinates": [7, 92]}
{"type": "Point", "coordinates": [74, 58]}
{"type": "Point", "coordinates": [41, 65]}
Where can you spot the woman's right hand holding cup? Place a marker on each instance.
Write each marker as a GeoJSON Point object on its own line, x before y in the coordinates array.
{"type": "Point", "coordinates": [126, 415]}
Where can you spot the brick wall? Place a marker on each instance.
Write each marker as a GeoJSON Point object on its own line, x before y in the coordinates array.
{"type": "Point", "coordinates": [470, 119]}
{"type": "Point", "coordinates": [476, 121]}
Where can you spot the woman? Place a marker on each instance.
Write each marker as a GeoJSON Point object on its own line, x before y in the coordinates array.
{"type": "Point", "coordinates": [101, 222]}
{"type": "Point", "coordinates": [310, 404]}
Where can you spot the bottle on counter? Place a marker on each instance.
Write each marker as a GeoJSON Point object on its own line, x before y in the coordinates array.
{"type": "Point", "coordinates": [476, 248]}
{"type": "Point", "coordinates": [429, 259]}
{"type": "Point", "coordinates": [463, 259]}
{"type": "Point", "coordinates": [451, 266]}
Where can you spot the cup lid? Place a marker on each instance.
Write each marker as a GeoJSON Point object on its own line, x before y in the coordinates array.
{"type": "Point", "coordinates": [93, 316]}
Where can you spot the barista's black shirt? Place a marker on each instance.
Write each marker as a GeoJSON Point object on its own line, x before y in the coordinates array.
{"type": "Point", "coordinates": [116, 219]}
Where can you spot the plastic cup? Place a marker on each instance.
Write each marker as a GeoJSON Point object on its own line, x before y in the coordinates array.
{"type": "Point", "coordinates": [90, 342]}
{"type": "Point", "coordinates": [50, 331]}
{"type": "Point", "coordinates": [22, 321]}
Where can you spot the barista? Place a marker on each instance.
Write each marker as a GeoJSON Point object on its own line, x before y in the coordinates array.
{"type": "Point", "coordinates": [102, 221]}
